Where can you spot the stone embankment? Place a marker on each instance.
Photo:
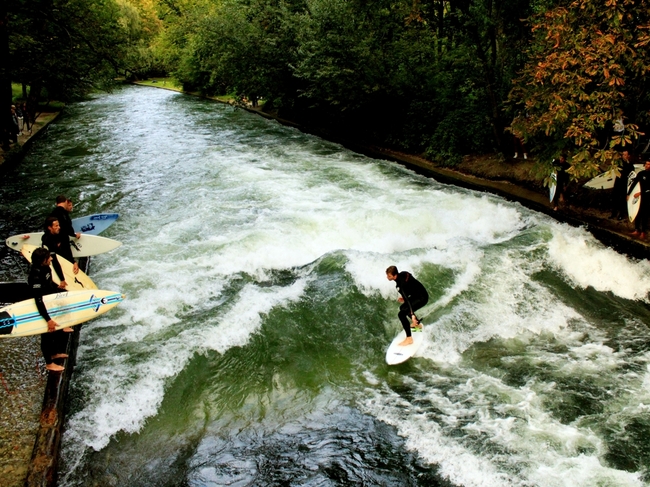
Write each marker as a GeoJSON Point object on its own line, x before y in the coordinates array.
{"type": "Point", "coordinates": [33, 401]}
{"type": "Point", "coordinates": [8, 159]}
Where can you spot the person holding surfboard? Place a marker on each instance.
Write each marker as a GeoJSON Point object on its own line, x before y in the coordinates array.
{"type": "Point", "coordinates": [58, 243]}
{"type": "Point", "coordinates": [41, 284]}
{"type": "Point", "coordinates": [561, 168]}
{"type": "Point", "coordinates": [62, 212]}
{"type": "Point", "coordinates": [641, 220]}
{"type": "Point", "coordinates": [619, 195]}
{"type": "Point", "coordinates": [413, 296]}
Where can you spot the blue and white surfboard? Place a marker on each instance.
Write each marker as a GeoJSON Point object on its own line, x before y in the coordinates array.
{"type": "Point", "coordinates": [94, 224]}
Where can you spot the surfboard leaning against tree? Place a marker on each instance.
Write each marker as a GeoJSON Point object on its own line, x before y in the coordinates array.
{"type": "Point", "coordinates": [413, 296]}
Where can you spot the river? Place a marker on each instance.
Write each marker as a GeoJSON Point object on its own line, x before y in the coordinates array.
{"type": "Point", "coordinates": [250, 348]}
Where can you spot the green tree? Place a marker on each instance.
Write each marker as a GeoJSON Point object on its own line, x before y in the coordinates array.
{"type": "Point", "coordinates": [429, 75]}
{"type": "Point", "coordinates": [140, 23]}
{"type": "Point", "coordinates": [584, 89]}
{"type": "Point", "coordinates": [63, 47]}
{"type": "Point", "coordinates": [246, 48]}
{"type": "Point", "coordinates": [345, 51]}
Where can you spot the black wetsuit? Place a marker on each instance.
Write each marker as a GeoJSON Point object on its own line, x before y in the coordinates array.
{"type": "Point", "coordinates": [415, 297]}
{"type": "Point", "coordinates": [65, 221]}
{"type": "Point", "coordinates": [67, 230]}
{"type": "Point", "coordinates": [619, 202]}
{"type": "Point", "coordinates": [641, 220]}
{"type": "Point", "coordinates": [41, 284]}
{"type": "Point", "coordinates": [58, 244]}
{"type": "Point", "coordinates": [562, 181]}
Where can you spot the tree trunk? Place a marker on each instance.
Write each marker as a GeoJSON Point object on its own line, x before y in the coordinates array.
{"type": "Point", "coordinates": [5, 78]}
{"type": "Point", "coordinates": [32, 99]}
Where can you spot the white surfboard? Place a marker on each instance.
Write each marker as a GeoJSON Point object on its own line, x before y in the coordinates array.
{"type": "Point", "coordinates": [552, 186]}
{"type": "Point", "coordinates": [634, 203]}
{"type": "Point", "coordinates": [630, 179]}
{"type": "Point", "coordinates": [66, 308]}
{"type": "Point", "coordinates": [75, 282]}
{"type": "Point", "coordinates": [94, 224]}
{"type": "Point", "coordinates": [602, 181]}
{"type": "Point", "coordinates": [606, 179]}
{"type": "Point", "coordinates": [397, 354]}
{"type": "Point", "coordinates": [85, 246]}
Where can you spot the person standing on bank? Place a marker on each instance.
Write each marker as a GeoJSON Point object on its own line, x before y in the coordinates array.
{"type": "Point", "coordinates": [561, 168]}
{"type": "Point", "coordinates": [14, 129]}
{"type": "Point", "coordinates": [619, 194]}
{"type": "Point", "coordinates": [641, 220]}
{"type": "Point", "coordinates": [57, 244]}
{"type": "Point", "coordinates": [413, 296]}
{"type": "Point", "coordinates": [19, 117]}
{"type": "Point", "coordinates": [62, 213]}
{"type": "Point", "coordinates": [41, 284]}
{"type": "Point", "coordinates": [27, 125]}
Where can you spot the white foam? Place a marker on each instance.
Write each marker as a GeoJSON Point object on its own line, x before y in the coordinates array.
{"type": "Point", "coordinates": [583, 471]}
{"type": "Point", "coordinates": [586, 263]}
{"type": "Point", "coordinates": [508, 438]}
{"type": "Point", "coordinates": [124, 394]}
{"type": "Point", "coordinates": [503, 302]}
{"type": "Point", "coordinates": [200, 219]}
{"type": "Point", "coordinates": [425, 437]}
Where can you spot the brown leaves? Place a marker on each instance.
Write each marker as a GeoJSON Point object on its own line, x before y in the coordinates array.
{"type": "Point", "coordinates": [580, 64]}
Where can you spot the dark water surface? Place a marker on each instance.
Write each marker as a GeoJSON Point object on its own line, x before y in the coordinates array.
{"type": "Point", "coordinates": [250, 349]}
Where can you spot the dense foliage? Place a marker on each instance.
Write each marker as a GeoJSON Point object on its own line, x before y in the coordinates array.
{"type": "Point", "coordinates": [425, 76]}
{"type": "Point", "coordinates": [428, 76]}
{"type": "Point", "coordinates": [62, 49]}
{"type": "Point", "coordinates": [585, 88]}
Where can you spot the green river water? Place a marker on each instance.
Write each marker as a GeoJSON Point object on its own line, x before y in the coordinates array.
{"type": "Point", "coordinates": [250, 348]}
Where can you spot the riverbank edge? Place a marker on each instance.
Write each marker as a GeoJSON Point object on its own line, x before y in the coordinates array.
{"type": "Point", "coordinates": [40, 469]}
{"type": "Point", "coordinates": [611, 233]}
{"type": "Point", "coordinates": [43, 466]}
{"type": "Point", "coordinates": [11, 158]}
{"type": "Point", "coordinates": [19, 465]}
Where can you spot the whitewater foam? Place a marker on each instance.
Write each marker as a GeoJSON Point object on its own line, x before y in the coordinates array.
{"type": "Point", "coordinates": [209, 224]}
{"type": "Point", "coordinates": [586, 262]}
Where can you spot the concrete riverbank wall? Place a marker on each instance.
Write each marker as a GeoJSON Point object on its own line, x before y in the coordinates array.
{"type": "Point", "coordinates": [33, 412]}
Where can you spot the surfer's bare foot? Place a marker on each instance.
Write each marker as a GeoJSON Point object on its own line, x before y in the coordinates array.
{"type": "Point", "coordinates": [417, 325]}
{"type": "Point", "coordinates": [406, 341]}
{"type": "Point", "coordinates": [60, 355]}
{"type": "Point", "coordinates": [68, 330]}
{"type": "Point", "coordinates": [54, 368]}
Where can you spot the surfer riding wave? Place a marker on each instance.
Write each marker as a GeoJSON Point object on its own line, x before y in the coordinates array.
{"type": "Point", "coordinates": [413, 296]}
